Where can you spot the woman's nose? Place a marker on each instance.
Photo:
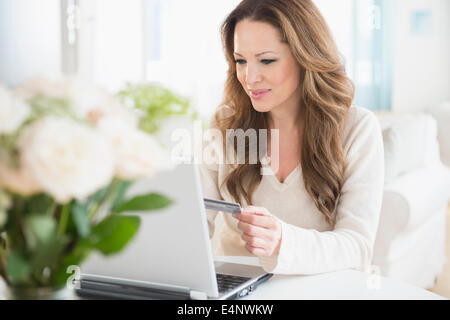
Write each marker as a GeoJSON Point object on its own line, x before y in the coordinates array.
{"type": "Point", "coordinates": [253, 75]}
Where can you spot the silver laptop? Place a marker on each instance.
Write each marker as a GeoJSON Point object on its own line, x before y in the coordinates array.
{"type": "Point", "coordinates": [170, 256]}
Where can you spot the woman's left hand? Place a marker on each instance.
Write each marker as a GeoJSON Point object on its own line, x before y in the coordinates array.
{"type": "Point", "coordinates": [261, 231]}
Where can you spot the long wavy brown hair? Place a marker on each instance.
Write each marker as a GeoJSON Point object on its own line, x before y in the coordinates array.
{"type": "Point", "coordinates": [327, 94]}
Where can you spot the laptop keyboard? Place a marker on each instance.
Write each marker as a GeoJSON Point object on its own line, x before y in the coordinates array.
{"type": "Point", "coordinates": [227, 282]}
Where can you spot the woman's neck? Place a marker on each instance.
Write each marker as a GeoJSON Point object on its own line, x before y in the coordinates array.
{"type": "Point", "coordinates": [288, 117]}
{"type": "Point", "coordinates": [285, 120]}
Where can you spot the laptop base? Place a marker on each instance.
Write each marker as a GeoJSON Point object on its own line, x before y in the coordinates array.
{"type": "Point", "coordinates": [102, 290]}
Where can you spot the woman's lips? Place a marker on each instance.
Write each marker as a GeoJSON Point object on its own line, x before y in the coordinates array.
{"type": "Point", "coordinates": [259, 94]}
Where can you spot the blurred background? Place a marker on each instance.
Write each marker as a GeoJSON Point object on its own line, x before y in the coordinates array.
{"type": "Point", "coordinates": [396, 51]}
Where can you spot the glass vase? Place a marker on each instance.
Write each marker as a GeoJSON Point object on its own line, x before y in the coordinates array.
{"type": "Point", "coordinates": [42, 293]}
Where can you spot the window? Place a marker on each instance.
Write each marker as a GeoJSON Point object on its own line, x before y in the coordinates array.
{"type": "Point", "coordinates": [29, 42]}
{"type": "Point", "coordinates": [177, 43]}
{"type": "Point", "coordinates": [111, 48]}
{"type": "Point", "coordinates": [373, 56]}
{"type": "Point", "coordinates": [184, 50]}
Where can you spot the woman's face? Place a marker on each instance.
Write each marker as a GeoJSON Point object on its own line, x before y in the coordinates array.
{"type": "Point", "coordinates": [265, 66]}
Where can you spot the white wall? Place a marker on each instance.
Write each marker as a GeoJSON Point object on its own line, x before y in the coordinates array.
{"type": "Point", "coordinates": [192, 60]}
{"type": "Point", "coordinates": [339, 17]}
{"type": "Point", "coordinates": [30, 41]}
{"type": "Point", "coordinates": [421, 77]}
{"type": "Point", "coordinates": [112, 48]}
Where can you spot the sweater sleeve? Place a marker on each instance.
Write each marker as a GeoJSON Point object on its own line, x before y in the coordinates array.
{"type": "Point", "coordinates": [350, 244]}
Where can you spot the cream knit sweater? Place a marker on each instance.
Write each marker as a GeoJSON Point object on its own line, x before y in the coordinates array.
{"type": "Point", "coordinates": [309, 245]}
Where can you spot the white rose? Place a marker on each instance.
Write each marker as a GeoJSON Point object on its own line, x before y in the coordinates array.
{"type": "Point", "coordinates": [137, 153]}
{"type": "Point", "coordinates": [18, 180]}
{"type": "Point", "coordinates": [68, 159]}
{"type": "Point", "coordinates": [94, 103]}
{"type": "Point", "coordinates": [110, 107]}
{"type": "Point", "coordinates": [53, 86]}
{"type": "Point", "coordinates": [13, 111]}
{"type": "Point", "coordinates": [88, 100]}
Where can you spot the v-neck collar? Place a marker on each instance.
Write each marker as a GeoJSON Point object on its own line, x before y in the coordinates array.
{"type": "Point", "coordinates": [282, 185]}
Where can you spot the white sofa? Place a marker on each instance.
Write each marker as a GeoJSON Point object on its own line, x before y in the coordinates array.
{"type": "Point", "coordinates": [442, 115]}
{"type": "Point", "coordinates": [410, 243]}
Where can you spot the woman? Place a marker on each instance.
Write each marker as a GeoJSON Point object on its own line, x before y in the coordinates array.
{"type": "Point", "coordinates": [318, 212]}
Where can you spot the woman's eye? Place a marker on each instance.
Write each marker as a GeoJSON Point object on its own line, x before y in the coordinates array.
{"type": "Point", "coordinates": [264, 61]}
{"type": "Point", "coordinates": [268, 61]}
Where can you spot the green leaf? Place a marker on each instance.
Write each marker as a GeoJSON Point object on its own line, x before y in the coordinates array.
{"type": "Point", "coordinates": [113, 233]}
{"type": "Point", "coordinates": [99, 195]}
{"type": "Point", "coordinates": [120, 193]}
{"type": "Point", "coordinates": [17, 268]}
{"type": "Point", "coordinates": [75, 257]}
{"type": "Point", "coordinates": [39, 229]}
{"type": "Point", "coordinates": [42, 106]}
{"type": "Point", "coordinates": [148, 202]}
{"type": "Point", "coordinates": [39, 204]}
{"type": "Point", "coordinates": [157, 102]}
{"type": "Point", "coordinates": [81, 219]}
{"type": "Point", "coordinates": [47, 254]}
{"type": "Point", "coordinates": [3, 219]}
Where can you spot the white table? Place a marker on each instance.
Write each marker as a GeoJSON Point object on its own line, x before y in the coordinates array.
{"type": "Point", "coordinates": [351, 285]}
{"type": "Point", "coordinates": [347, 284]}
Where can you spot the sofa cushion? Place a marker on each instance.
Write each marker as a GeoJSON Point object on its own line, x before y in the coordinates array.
{"type": "Point", "coordinates": [416, 257]}
{"type": "Point", "coordinates": [442, 115]}
{"type": "Point", "coordinates": [410, 142]}
{"type": "Point", "coordinates": [392, 154]}
{"type": "Point", "coordinates": [409, 201]}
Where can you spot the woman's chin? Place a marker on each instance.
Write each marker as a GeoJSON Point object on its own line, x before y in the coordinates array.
{"type": "Point", "coordinates": [261, 107]}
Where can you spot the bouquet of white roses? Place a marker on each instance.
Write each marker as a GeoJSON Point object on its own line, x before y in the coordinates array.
{"type": "Point", "coordinates": [67, 150]}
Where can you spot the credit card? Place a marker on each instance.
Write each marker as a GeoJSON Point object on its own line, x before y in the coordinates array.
{"type": "Point", "coordinates": [219, 205]}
